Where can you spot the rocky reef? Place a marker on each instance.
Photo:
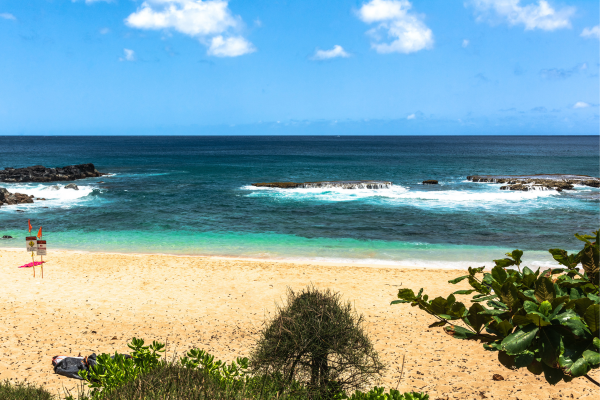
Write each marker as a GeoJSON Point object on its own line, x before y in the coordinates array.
{"type": "Point", "coordinates": [430, 182]}
{"type": "Point", "coordinates": [327, 184]}
{"type": "Point", "coordinates": [39, 173]}
{"type": "Point", "coordinates": [8, 198]}
{"type": "Point", "coordinates": [558, 182]}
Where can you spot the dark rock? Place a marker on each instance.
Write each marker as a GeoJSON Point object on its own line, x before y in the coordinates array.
{"type": "Point", "coordinates": [9, 198]}
{"type": "Point", "coordinates": [71, 186]}
{"type": "Point", "coordinates": [430, 182]}
{"type": "Point", "coordinates": [39, 173]}
{"type": "Point", "coordinates": [7, 237]}
{"type": "Point", "coordinates": [558, 182]}
{"type": "Point", "coordinates": [20, 210]}
{"type": "Point", "coordinates": [327, 184]}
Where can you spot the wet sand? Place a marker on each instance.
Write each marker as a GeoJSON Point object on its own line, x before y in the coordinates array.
{"type": "Point", "coordinates": [96, 302]}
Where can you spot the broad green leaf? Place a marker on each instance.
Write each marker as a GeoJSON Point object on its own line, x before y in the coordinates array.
{"type": "Point", "coordinates": [516, 255]}
{"type": "Point", "coordinates": [406, 294]}
{"type": "Point", "coordinates": [564, 258]}
{"type": "Point", "coordinates": [438, 305]}
{"type": "Point", "coordinates": [551, 345]}
{"type": "Point", "coordinates": [597, 342]}
{"type": "Point", "coordinates": [576, 326]}
{"type": "Point", "coordinates": [476, 285]}
{"type": "Point", "coordinates": [579, 368]}
{"type": "Point", "coordinates": [493, 312]}
{"type": "Point", "coordinates": [538, 319]}
{"type": "Point", "coordinates": [524, 359]}
{"type": "Point", "coordinates": [450, 300]}
{"type": "Point", "coordinates": [518, 341]}
{"type": "Point", "coordinates": [559, 300]}
{"type": "Point", "coordinates": [584, 238]}
{"type": "Point", "coordinates": [545, 308]}
{"type": "Point", "coordinates": [459, 332]}
{"type": "Point", "coordinates": [469, 291]}
{"type": "Point", "coordinates": [399, 301]}
{"type": "Point", "coordinates": [544, 290]}
{"type": "Point", "coordinates": [475, 319]}
{"type": "Point", "coordinates": [527, 271]}
{"type": "Point", "coordinates": [499, 274]}
{"type": "Point", "coordinates": [592, 318]}
{"type": "Point", "coordinates": [473, 271]}
{"type": "Point", "coordinates": [589, 260]}
{"type": "Point", "coordinates": [456, 280]}
{"type": "Point", "coordinates": [438, 323]}
{"type": "Point", "coordinates": [508, 294]}
{"type": "Point", "coordinates": [504, 328]}
{"type": "Point", "coordinates": [480, 299]}
{"type": "Point", "coordinates": [530, 306]}
{"type": "Point", "coordinates": [504, 262]}
{"type": "Point", "coordinates": [592, 357]}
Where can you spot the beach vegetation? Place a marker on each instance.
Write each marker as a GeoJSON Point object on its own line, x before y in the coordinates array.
{"type": "Point", "coordinates": [317, 340]}
{"type": "Point", "coordinates": [23, 391]}
{"type": "Point", "coordinates": [545, 321]}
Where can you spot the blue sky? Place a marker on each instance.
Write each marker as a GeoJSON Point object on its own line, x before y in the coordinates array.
{"type": "Point", "coordinates": [299, 67]}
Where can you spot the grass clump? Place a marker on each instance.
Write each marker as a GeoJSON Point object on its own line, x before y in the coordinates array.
{"type": "Point", "coordinates": [23, 391]}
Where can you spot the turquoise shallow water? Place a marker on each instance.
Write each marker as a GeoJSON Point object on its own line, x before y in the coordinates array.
{"type": "Point", "coordinates": [192, 195]}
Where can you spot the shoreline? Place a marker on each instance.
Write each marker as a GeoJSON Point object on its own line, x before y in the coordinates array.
{"type": "Point", "coordinates": [330, 262]}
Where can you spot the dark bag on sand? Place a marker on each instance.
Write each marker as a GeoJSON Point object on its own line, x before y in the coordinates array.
{"type": "Point", "coordinates": [69, 366]}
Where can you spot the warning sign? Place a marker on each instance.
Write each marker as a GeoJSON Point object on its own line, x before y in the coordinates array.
{"type": "Point", "coordinates": [41, 247]}
{"type": "Point", "coordinates": [31, 242]}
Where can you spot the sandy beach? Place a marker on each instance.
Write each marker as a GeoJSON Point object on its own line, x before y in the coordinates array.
{"type": "Point", "coordinates": [96, 302]}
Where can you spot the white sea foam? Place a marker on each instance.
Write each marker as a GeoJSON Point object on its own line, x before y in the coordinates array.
{"type": "Point", "coordinates": [401, 195]}
{"type": "Point", "coordinates": [55, 198]}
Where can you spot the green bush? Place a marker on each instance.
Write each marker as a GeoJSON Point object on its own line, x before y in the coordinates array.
{"type": "Point", "coordinates": [547, 322]}
{"type": "Point", "coordinates": [317, 340]}
{"type": "Point", "coordinates": [111, 372]}
{"type": "Point", "coordinates": [23, 391]}
{"type": "Point", "coordinates": [378, 393]}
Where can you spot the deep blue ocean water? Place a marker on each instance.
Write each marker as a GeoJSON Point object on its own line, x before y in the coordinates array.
{"type": "Point", "coordinates": [192, 195]}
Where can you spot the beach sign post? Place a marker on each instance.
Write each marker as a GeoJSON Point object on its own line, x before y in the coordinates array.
{"type": "Point", "coordinates": [41, 250]}
{"type": "Point", "coordinates": [31, 243]}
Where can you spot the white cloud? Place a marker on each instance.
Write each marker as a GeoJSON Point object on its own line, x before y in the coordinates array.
{"type": "Point", "coordinates": [406, 31]}
{"type": "Point", "coordinates": [581, 104]}
{"type": "Point", "coordinates": [593, 32]}
{"type": "Point", "coordinates": [8, 16]}
{"type": "Point", "coordinates": [104, 31]}
{"type": "Point", "coordinates": [229, 47]}
{"type": "Point", "coordinates": [337, 51]}
{"type": "Point", "coordinates": [129, 55]}
{"type": "Point", "coordinates": [534, 16]}
{"type": "Point", "coordinates": [210, 21]}
{"type": "Point", "coordinates": [465, 43]}
{"type": "Point", "coordinates": [411, 116]}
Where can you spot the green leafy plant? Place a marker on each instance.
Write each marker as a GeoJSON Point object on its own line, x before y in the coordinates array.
{"type": "Point", "coordinates": [378, 393]}
{"type": "Point", "coordinates": [546, 322]}
{"type": "Point", "coordinates": [111, 372]}
{"type": "Point", "coordinates": [23, 391]}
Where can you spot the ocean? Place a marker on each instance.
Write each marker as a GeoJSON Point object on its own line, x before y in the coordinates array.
{"type": "Point", "coordinates": [192, 195]}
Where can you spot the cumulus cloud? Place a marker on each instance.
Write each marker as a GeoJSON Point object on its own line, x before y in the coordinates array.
{"type": "Point", "coordinates": [591, 33]}
{"type": "Point", "coordinates": [540, 15]}
{"type": "Point", "coordinates": [405, 31]}
{"type": "Point", "coordinates": [581, 104]}
{"type": "Point", "coordinates": [411, 116]}
{"type": "Point", "coordinates": [128, 55]}
{"type": "Point", "coordinates": [8, 16]}
{"type": "Point", "coordinates": [210, 21]}
{"type": "Point", "coordinates": [337, 51]}
{"type": "Point", "coordinates": [465, 43]}
{"type": "Point", "coordinates": [229, 47]}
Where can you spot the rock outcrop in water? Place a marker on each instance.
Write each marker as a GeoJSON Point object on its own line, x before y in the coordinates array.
{"type": "Point", "coordinates": [430, 182]}
{"type": "Point", "coordinates": [39, 173]}
{"type": "Point", "coordinates": [327, 184]}
{"type": "Point", "coordinates": [558, 182]}
{"type": "Point", "coordinates": [8, 198]}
